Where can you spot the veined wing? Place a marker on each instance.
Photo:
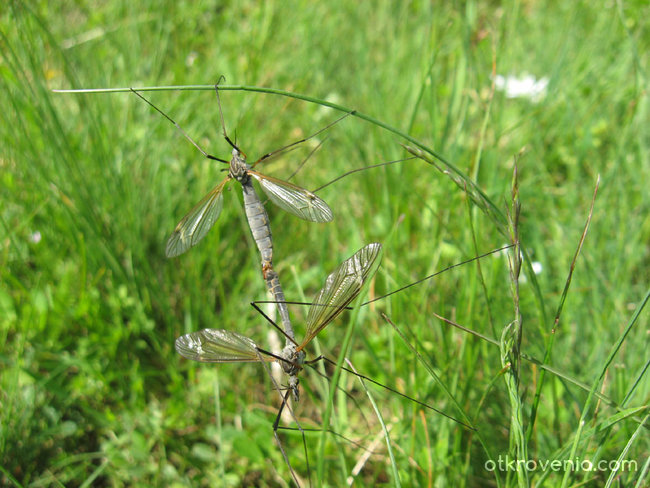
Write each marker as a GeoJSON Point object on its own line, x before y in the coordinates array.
{"type": "Point", "coordinates": [217, 346]}
{"type": "Point", "coordinates": [293, 199]}
{"type": "Point", "coordinates": [341, 287]}
{"type": "Point", "coordinates": [196, 224]}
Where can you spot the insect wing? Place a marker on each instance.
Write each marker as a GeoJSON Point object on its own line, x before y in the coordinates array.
{"type": "Point", "coordinates": [293, 199]}
{"type": "Point", "coordinates": [341, 287]}
{"type": "Point", "coordinates": [196, 224]}
{"type": "Point", "coordinates": [217, 346]}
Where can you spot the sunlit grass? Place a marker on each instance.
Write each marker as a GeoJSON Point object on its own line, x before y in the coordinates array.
{"type": "Point", "coordinates": [92, 391]}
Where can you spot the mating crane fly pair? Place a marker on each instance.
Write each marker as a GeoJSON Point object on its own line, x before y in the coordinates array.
{"type": "Point", "coordinates": [341, 286]}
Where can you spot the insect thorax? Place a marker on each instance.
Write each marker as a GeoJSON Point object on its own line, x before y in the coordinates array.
{"type": "Point", "coordinates": [238, 167]}
{"type": "Point", "coordinates": [293, 360]}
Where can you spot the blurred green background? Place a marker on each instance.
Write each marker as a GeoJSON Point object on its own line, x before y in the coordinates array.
{"type": "Point", "coordinates": [92, 392]}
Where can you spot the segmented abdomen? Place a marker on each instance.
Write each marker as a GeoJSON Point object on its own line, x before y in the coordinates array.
{"type": "Point", "coordinates": [273, 284]}
{"type": "Point", "coordinates": [258, 220]}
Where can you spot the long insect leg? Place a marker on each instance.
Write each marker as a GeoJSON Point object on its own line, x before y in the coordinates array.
{"type": "Point", "coordinates": [388, 388]}
{"type": "Point", "coordinates": [414, 283]}
{"type": "Point", "coordinates": [276, 423]}
{"type": "Point", "coordinates": [341, 389]}
{"type": "Point", "coordinates": [302, 433]}
{"type": "Point", "coordinates": [304, 161]}
{"type": "Point", "coordinates": [385, 428]}
{"type": "Point", "coordinates": [271, 154]}
{"type": "Point", "coordinates": [430, 371]}
{"type": "Point", "coordinates": [348, 173]}
{"type": "Point", "coordinates": [194, 143]}
{"type": "Point", "coordinates": [334, 433]}
{"type": "Point", "coordinates": [289, 338]}
{"type": "Point", "coordinates": [426, 278]}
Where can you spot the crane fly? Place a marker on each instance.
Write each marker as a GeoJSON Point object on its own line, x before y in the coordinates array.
{"type": "Point", "coordinates": [224, 346]}
{"type": "Point", "coordinates": [289, 197]}
{"type": "Point", "coordinates": [341, 287]}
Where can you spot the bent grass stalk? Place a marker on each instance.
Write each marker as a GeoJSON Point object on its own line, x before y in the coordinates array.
{"type": "Point", "coordinates": [318, 101]}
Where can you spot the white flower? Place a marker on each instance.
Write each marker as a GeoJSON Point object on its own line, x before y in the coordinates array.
{"type": "Point", "coordinates": [525, 86]}
{"type": "Point", "coordinates": [191, 57]}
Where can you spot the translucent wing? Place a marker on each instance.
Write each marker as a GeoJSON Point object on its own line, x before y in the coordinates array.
{"type": "Point", "coordinates": [196, 224]}
{"type": "Point", "coordinates": [293, 199]}
{"type": "Point", "coordinates": [217, 346]}
{"type": "Point", "coordinates": [341, 287]}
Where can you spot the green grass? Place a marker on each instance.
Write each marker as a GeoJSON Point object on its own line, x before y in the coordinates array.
{"type": "Point", "coordinates": [92, 392]}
